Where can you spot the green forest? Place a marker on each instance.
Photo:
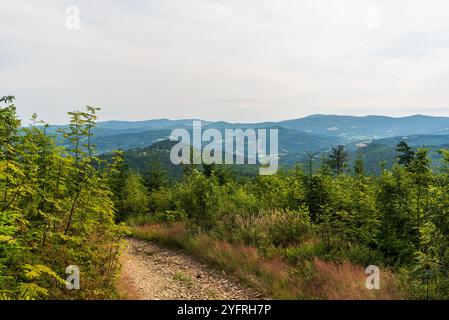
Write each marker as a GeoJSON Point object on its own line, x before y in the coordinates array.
{"type": "Point", "coordinates": [304, 233]}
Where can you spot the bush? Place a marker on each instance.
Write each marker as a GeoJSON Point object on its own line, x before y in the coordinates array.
{"type": "Point", "coordinates": [268, 229]}
{"type": "Point", "coordinates": [304, 252]}
{"type": "Point", "coordinates": [360, 254]}
{"type": "Point", "coordinates": [288, 227]}
{"type": "Point", "coordinates": [162, 200]}
{"type": "Point", "coordinates": [134, 197]}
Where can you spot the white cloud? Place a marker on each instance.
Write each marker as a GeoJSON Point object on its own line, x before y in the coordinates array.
{"type": "Point", "coordinates": [237, 60]}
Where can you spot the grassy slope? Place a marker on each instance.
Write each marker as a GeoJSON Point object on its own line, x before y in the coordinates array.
{"type": "Point", "coordinates": [273, 277]}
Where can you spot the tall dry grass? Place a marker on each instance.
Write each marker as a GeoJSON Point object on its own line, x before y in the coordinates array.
{"type": "Point", "coordinates": [273, 277]}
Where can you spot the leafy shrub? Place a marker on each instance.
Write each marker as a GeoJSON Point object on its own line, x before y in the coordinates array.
{"type": "Point", "coordinates": [304, 252]}
{"type": "Point", "coordinates": [56, 210]}
{"type": "Point", "coordinates": [134, 196]}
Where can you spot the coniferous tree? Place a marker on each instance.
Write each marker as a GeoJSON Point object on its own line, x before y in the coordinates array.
{"type": "Point", "coordinates": [405, 154]}
{"type": "Point", "coordinates": [338, 159]}
{"type": "Point", "coordinates": [359, 166]}
{"type": "Point", "coordinates": [420, 169]}
{"type": "Point", "coordinates": [155, 177]}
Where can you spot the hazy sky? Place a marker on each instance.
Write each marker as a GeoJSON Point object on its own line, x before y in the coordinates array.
{"type": "Point", "coordinates": [235, 60]}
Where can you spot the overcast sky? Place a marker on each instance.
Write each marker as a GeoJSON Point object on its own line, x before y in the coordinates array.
{"type": "Point", "coordinates": [234, 60]}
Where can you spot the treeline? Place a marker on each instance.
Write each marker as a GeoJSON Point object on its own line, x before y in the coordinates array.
{"type": "Point", "coordinates": [56, 210]}
{"type": "Point", "coordinates": [323, 209]}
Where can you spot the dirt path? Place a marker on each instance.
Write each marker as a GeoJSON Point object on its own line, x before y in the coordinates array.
{"type": "Point", "coordinates": [154, 273]}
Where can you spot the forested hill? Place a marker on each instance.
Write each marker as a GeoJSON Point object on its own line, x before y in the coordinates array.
{"type": "Point", "coordinates": [349, 127]}
{"type": "Point", "coordinates": [338, 129]}
{"type": "Point", "coordinates": [375, 137]}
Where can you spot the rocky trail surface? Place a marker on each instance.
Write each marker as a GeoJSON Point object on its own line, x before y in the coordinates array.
{"type": "Point", "coordinates": [151, 272]}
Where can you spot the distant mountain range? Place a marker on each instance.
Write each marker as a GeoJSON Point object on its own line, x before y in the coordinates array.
{"type": "Point", "coordinates": [375, 137]}
{"type": "Point", "coordinates": [350, 128]}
